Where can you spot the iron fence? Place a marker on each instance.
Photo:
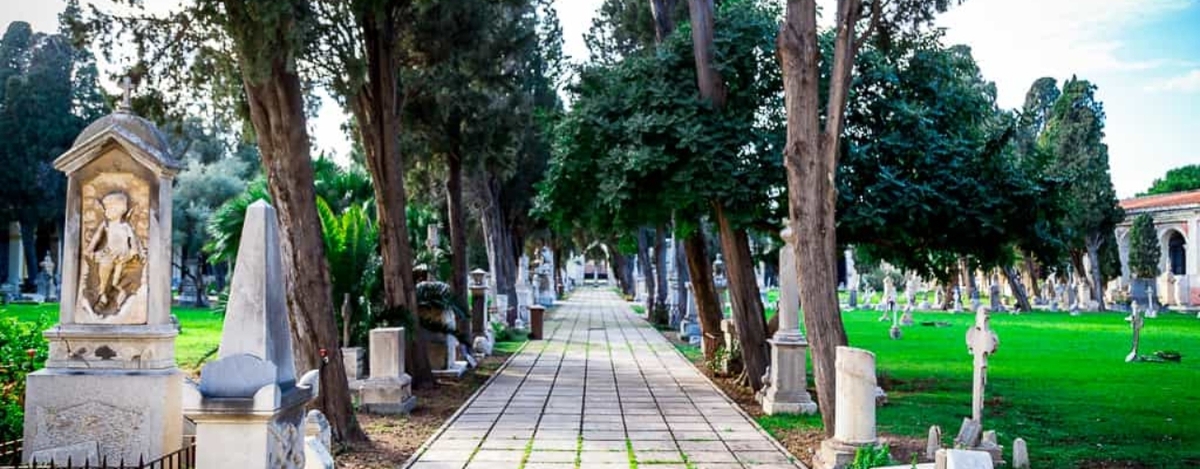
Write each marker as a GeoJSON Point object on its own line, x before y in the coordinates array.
{"type": "Point", "coordinates": [183, 458]}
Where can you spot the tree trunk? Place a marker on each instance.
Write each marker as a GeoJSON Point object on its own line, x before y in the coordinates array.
{"type": "Point", "coordinates": [1018, 289]}
{"type": "Point", "coordinates": [276, 105]}
{"type": "Point", "coordinates": [458, 237]}
{"type": "Point", "coordinates": [623, 270]}
{"type": "Point", "coordinates": [708, 78]}
{"type": "Point", "coordinates": [810, 157]}
{"type": "Point", "coordinates": [1031, 272]}
{"type": "Point", "coordinates": [681, 277]}
{"type": "Point", "coordinates": [646, 264]}
{"type": "Point", "coordinates": [664, 23]}
{"type": "Point", "coordinates": [660, 276]}
{"type": "Point", "coordinates": [744, 295]}
{"type": "Point", "coordinates": [375, 110]}
{"type": "Point", "coordinates": [707, 306]}
{"type": "Point", "coordinates": [499, 245]}
{"type": "Point", "coordinates": [1094, 243]}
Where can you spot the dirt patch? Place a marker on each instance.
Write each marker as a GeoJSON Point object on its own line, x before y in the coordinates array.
{"type": "Point", "coordinates": [394, 438]}
{"type": "Point", "coordinates": [803, 443]}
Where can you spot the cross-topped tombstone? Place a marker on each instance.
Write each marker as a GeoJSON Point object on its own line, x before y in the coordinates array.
{"type": "Point", "coordinates": [1135, 322]}
{"type": "Point", "coordinates": [981, 342]}
{"type": "Point", "coordinates": [110, 376]}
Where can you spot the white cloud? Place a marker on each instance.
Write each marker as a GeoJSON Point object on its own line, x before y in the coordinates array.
{"type": "Point", "coordinates": [1187, 83]}
{"type": "Point", "coordinates": [1018, 41]}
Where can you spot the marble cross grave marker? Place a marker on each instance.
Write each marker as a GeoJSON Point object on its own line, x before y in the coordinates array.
{"type": "Point", "coordinates": [1135, 322]}
{"type": "Point", "coordinates": [981, 342]}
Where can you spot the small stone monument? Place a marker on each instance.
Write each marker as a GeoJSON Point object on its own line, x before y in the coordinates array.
{"type": "Point", "coordinates": [1135, 322]}
{"type": "Point", "coordinates": [480, 326]}
{"type": "Point", "coordinates": [389, 388]}
{"type": "Point", "coordinates": [110, 377]}
{"type": "Point", "coordinates": [855, 425]}
{"type": "Point", "coordinates": [933, 442]}
{"type": "Point", "coordinates": [352, 357]}
{"type": "Point", "coordinates": [318, 441]}
{"type": "Point", "coordinates": [1020, 454]}
{"type": "Point", "coordinates": [994, 296]}
{"type": "Point", "coordinates": [248, 402]}
{"type": "Point", "coordinates": [906, 319]}
{"type": "Point", "coordinates": [48, 283]}
{"type": "Point", "coordinates": [787, 392]}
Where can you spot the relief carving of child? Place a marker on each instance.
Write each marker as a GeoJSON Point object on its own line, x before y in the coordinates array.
{"type": "Point", "coordinates": [113, 244]}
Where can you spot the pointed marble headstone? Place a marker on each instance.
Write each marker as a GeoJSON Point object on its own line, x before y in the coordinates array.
{"type": "Point", "coordinates": [256, 319]}
{"type": "Point", "coordinates": [250, 394]}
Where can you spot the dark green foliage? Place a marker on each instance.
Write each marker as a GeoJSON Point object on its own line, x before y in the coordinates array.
{"type": "Point", "coordinates": [1144, 250]}
{"type": "Point", "coordinates": [1184, 178]}
{"type": "Point", "coordinates": [639, 146]}
{"type": "Point", "coordinates": [48, 93]}
{"type": "Point", "coordinates": [351, 239]}
{"type": "Point", "coordinates": [1074, 139]}
{"type": "Point", "coordinates": [23, 350]}
{"type": "Point", "coordinates": [926, 175]}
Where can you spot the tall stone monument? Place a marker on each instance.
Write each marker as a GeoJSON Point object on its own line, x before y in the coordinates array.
{"type": "Point", "coordinates": [787, 391]}
{"type": "Point", "coordinates": [110, 378]}
{"type": "Point", "coordinates": [248, 406]}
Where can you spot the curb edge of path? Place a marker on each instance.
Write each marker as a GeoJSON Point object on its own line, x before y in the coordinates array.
{"type": "Point", "coordinates": [795, 460]}
{"type": "Point", "coordinates": [462, 408]}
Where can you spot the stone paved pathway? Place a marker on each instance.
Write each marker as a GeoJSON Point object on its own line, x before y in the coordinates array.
{"type": "Point", "coordinates": [603, 391]}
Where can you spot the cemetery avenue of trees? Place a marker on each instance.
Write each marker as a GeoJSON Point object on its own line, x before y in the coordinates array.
{"type": "Point", "coordinates": [667, 164]}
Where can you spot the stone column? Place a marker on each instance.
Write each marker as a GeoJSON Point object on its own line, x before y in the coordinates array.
{"type": "Point", "coordinates": [16, 255]}
{"type": "Point", "coordinates": [479, 323]}
{"type": "Point", "coordinates": [389, 388]}
{"type": "Point", "coordinates": [787, 391]}
{"type": "Point", "coordinates": [855, 426]}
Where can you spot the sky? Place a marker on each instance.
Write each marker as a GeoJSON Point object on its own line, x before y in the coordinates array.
{"type": "Point", "coordinates": [1144, 56]}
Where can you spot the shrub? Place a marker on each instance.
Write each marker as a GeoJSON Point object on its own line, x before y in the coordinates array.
{"type": "Point", "coordinates": [22, 350]}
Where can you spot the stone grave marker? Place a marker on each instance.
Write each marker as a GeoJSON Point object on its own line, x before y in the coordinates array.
{"type": "Point", "coordinates": [110, 377]}
{"type": "Point", "coordinates": [249, 402]}
{"type": "Point", "coordinates": [1135, 323]}
{"type": "Point", "coordinates": [855, 425]}
{"type": "Point", "coordinates": [388, 390]}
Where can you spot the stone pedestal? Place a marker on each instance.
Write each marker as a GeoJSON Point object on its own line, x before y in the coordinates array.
{"type": "Point", "coordinates": [352, 360]}
{"type": "Point", "coordinates": [537, 318]}
{"type": "Point", "coordinates": [855, 426]}
{"type": "Point", "coordinates": [248, 406]}
{"type": "Point", "coordinates": [788, 393]}
{"type": "Point", "coordinates": [443, 356]}
{"type": "Point", "coordinates": [389, 389]}
{"type": "Point", "coordinates": [110, 381]}
{"type": "Point", "coordinates": [479, 323]}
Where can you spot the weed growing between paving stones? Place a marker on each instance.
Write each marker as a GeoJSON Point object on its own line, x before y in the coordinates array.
{"type": "Point", "coordinates": [528, 451]}
{"type": "Point", "coordinates": [633, 462]}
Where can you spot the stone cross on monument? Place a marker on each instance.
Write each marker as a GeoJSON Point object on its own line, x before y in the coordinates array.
{"type": "Point", "coordinates": [981, 342]}
{"type": "Point", "coordinates": [126, 94]}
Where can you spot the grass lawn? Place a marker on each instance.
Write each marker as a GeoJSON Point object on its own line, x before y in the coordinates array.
{"type": "Point", "coordinates": [201, 329]}
{"type": "Point", "coordinates": [1058, 381]}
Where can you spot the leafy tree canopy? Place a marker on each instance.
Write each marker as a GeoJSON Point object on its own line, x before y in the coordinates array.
{"type": "Point", "coordinates": [1144, 250]}
{"type": "Point", "coordinates": [1181, 179]}
{"type": "Point", "coordinates": [638, 146]}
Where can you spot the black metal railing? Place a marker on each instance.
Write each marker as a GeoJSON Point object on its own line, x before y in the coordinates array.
{"type": "Point", "coordinates": [183, 458]}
